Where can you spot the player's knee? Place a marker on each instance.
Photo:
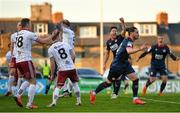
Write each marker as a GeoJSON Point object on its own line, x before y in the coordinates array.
{"type": "Point", "coordinates": [164, 81]}
{"type": "Point", "coordinates": [32, 81]}
{"type": "Point", "coordinates": [107, 84]}
{"type": "Point", "coordinates": [164, 78]}
{"type": "Point", "coordinates": [12, 71]}
{"type": "Point", "coordinates": [136, 81]}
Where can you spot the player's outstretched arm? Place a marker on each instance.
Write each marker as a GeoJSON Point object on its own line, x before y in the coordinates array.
{"type": "Point", "coordinates": [149, 50]}
{"type": "Point", "coordinates": [142, 55]}
{"type": "Point", "coordinates": [49, 39]}
{"type": "Point", "coordinates": [131, 50]}
{"type": "Point", "coordinates": [173, 56]}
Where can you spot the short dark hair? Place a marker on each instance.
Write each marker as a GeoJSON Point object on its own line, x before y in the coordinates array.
{"type": "Point", "coordinates": [66, 22]}
{"type": "Point", "coordinates": [130, 30]}
{"type": "Point", "coordinates": [113, 27]}
{"type": "Point", "coordinates": [25, 22]}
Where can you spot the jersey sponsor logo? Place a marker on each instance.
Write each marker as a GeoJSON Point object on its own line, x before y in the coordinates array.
{"type": "Point", "coordinates": [164, 50]}
{"type": "Point", "coordinates": [114, 47]}
{"type": "Point", "coordinates": [158, 57]}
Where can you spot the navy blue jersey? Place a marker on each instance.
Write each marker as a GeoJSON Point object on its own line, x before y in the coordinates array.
{"type": "Point", "coordinates": [113, 45]}
{"type": "Point", "coordinates": [121, 54]}
{"type": "Point", "coordinates": [159, 54]}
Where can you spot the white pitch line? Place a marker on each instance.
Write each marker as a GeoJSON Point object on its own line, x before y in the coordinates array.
{"type": "Point", "coordinates": [162, 101]}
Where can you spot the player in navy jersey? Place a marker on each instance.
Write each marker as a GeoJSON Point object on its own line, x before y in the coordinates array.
{"type": "Point", "coordinates": [112, 45]}
{"type": "Point", "coordinates": [121, 66]}
{"type": "Point", "coordinates": [159, 52]}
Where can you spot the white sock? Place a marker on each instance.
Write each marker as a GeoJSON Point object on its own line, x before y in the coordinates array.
{"type": "Point", "coordinates": [70, 86]}
{"type": "Point", "coordinates": [64, 87]}
{"type": "Point", "coordinates": [31, 93]}
{"type": "Point", "coordinates": [134, 98]}
{"type": "Point", "coordinates": [55, 95]}
{"type": "Point", "coordinates": [77, 91]}
{"type": "Point", "coordinates": [14, 90]}
{"type": "Point", "coordinates": [23, 87]}
{"type": "Point", "coordinates": [20, 80]}
{"type": "Point", "coordinates": [10, 81]}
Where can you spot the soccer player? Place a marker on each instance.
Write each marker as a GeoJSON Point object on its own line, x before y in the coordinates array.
{"type": "Point", "coordinates": [11, 77]}
{"type": "Point", "coordinates": [24, 41]}
{"type": "Point", "coordinates": [121, 66]}
{"type": "Point", "coordinates": [12, 64]}
{"type": "Point", "coordinates": [62, 54]}
{"type": "Point", "coordinates": [112, 45]}
{"type": "Point", "coordinates": [159, 52]}
{"type": "Point", "coordinates": [68, 37]}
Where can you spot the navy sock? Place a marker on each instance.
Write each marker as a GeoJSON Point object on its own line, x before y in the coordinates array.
{"type": "Point", "coordinates": [116, 85]}
{"type": "Point", "coordinates": [126, 85]}
{"type": "Point", "coordinates": [148, 83]}
{"type": "Point", "coordinates": [163, 85]}
{"type": "Point", "coordinates": [102, 86]}
{"type": "Point", "coordinates": [135, 87]}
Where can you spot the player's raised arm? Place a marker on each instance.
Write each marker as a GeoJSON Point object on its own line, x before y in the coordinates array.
{"type": "Point", "coordinates": [123, 32]}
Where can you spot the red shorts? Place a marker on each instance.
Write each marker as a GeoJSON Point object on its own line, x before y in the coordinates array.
{"type": "Point", "coordinates": [12, 64]}
{"type": "Point", "coordinates": [63, 75]}
{"type": "Point", "coordinates": [27, 69]}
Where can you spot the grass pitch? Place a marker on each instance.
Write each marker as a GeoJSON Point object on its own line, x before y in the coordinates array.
{"type": "Point", "coordinates": [166, 103]}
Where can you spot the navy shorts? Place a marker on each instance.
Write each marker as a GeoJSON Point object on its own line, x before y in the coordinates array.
{"type": "Point", "coordinates": [124, 69]}
{"type": "Point", "coordinates": [154, 71]}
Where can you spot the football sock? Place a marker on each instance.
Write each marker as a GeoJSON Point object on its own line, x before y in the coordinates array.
{"type": "Point", "coordinates": [55, 95]}
{"type": "Point", "coordinates": [135, 87]}
{"type": "Point", "coordinates": [148, 83]}
{"type": "Point", "coordinates": [126, 85]}
{"type": "Point", "coordinates": [163, 85]}
{"type": "Point", "coordinates": [117, 85]}
{"type": "Point", "coordinates": [31, 93]}
{"type": "Point", "coordinates": [70, 86]}
{"type": "Point", "coordinates": [65, 87]}
{"type": "Point", "coordinates": [14, 90]}
{"type": "Point", "coordinates": [102, 86]}
{"type": "Point", "coordinates": [23, 87]}
{"type": "Point", "coordinates": [19, 82]}
{"type": "Point", "coordinates": [10, 81]}
{"type": "Point", "coordinates": [77, 91]}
